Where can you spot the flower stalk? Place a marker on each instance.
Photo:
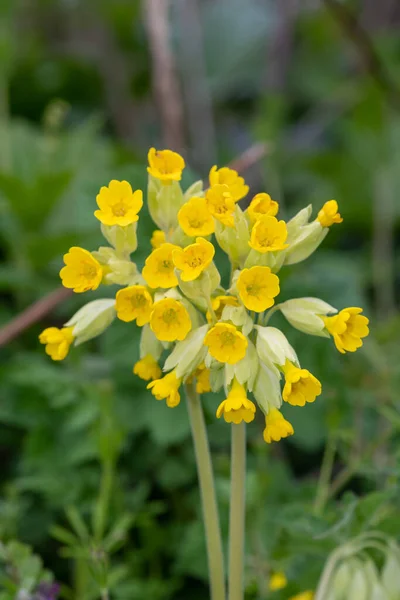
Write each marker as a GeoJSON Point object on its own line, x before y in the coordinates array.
{"type": "Point", "coordinates": [237, 512]}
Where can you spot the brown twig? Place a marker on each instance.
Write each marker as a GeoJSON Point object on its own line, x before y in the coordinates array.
{"type": "Point", "coordinates": [165, 82]}
{"type": "Point", "coordinates": [33, 314]}
{"type": "Point", "coordinates": [368, 55]}
{"type": "Point", "coordinates": [249, 157]}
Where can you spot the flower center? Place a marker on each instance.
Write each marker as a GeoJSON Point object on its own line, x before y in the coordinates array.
{"type": "Point", "coordinates": [253, 289]}
{"type": "Point", "coordinates": [169, 316]}
{"type": "Point", "coordinates": [88, 270]}
{"type": "Point", "coordinates": [119, 209]}
{"type": "Point", "coordinates": [138, 301]}
{"type": "Point", "coordinates": [227, 338]}
{"type": "Point", "coordinates": [166, 265]}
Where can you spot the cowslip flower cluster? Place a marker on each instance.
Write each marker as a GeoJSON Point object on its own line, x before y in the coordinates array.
{"type": "Point", "coordinates": [194, 329]}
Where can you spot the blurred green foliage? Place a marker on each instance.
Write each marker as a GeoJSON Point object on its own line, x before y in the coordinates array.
{"type": "Point", "coordinates": [97, 476]}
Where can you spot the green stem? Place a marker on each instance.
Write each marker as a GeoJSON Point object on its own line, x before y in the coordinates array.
{"type": "Point", "coordinates": [237, 512]}
{"type": "Point", "coordinates": [269, 314]}
{"type": "Point", "coordinates": [103, 502]}
{"type": "Point", "coordinates": [325, 476]}
{"type": "Point", "coordinates": [208, 496]}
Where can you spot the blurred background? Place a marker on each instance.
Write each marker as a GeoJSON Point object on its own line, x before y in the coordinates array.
{"type": "Point", "coordinates": [97, 480]}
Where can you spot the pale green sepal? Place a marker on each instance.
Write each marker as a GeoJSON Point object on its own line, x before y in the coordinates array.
{"type": "Point", "coordinates": [246, 369]}
{"type": "Point", "coordinates": [188, 354]}
{"type": "Point", "coordinates": [267, 389]}
{"type": "Point", "coordinates": [273, 260]}
{"type": "Point", "coordinates": [304, 314]}
{"type": "Point", "coordinates": [202, 287]}
{"type": "Point", "coordinates": [358, 587]}
{"type": "Point", "coordinates": [119, 270]}
{"type": "Point", "coordinates": [234, 240]}
{"type": "Point", "coordinates": [305, 242]}
{"type": "Point", "coordinates": [123, 239]}
{"type": "Point", "coordinates": [217, 378]}
{"type": "Point", "coordinates": [298, 221]}
{"type": "Point", "coordinates": [239, 316]}
{"type": "Point", "coordinates": [92, 319]}
{"type": "Point", "coordinates": [390, 573]}
{"type": "Point", "coordinates": [273, 348]}
{"type": "Point", "coordinates": [153, 187]}
{"type": "Point", "coordinates": [149, 344]}
{"type": "Point", "coordinates": [196, 189]}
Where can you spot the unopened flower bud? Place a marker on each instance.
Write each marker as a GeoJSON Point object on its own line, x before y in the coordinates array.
{"type": "Point", "coordinates": [305, 314]}
{"type": "Point", "coordinates": [92, 319]}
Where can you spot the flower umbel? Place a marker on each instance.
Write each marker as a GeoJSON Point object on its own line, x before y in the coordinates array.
{"type": "Point", "coordinates": [226, 343]}
{"type": "Point", "coordinates": [57, 341]}
{"type": "Point", "coordinates": [167, 388]}
{"type": "Point", "coordinates": [82, 272]}
{"type": "Point", "coordinates": [231, 178]}
{"type": "Point", "coordinates": [192, 260]}
{"type": "Point", "coordinates": [147, 368]}
{"type": "Point", "coordinates": [268, 235]}
{"type": "Point", "coordinates": [276, 426]}
{"type": "Point", "coordinates": [328, 215]}
{"type": "Point", "coordinates": [221, 204]}
{"type": "Point", "coordinates": [348, 328]}
{"type": "Point", "coordinates": [170, 320]}
{"type": "Point", "coordinates": [300, 385]}
{"type": "Point", "coordinates": [262, 204]}
{"type": "Point", "coordinates": [165, 165]}
{"type": "Point", "coordinates": [118, 204]}
{"type": "Point", "coordinates": [257, 288]}
{"type": "Point", "coordinates": [195, 218]}
{"type": "Point", "coordinates": [134, 302]}
{"type": "Point", "coordinates": [159, 270]}
{"type": "Point", "coordinates": [237, 407]}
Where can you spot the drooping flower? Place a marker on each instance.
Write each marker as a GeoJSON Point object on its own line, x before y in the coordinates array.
{"type": "Point", "coordinates": [328, 215]}
{"type": "Point", "coordinates": [226, 343]}
{"type": "Point", "coordinates": [348, 328]}
{"type": "Point", "coordinates": [192, 260]}
{"type": "Point", "coordinates": [232, 179]}
{"type": "Point", "coordinates": [300, 385]}
{"type": "Point", "coordinates": [167, 388]}
{"type": "Point", "coordinates": [157, 238]}
{"type": "Point", "coordinates": [276, 426]}
{"type": "Point", "coordinates": [165, 165]}
{"type": "Point", "coordinates": [277, 581]}
{"type": "Point", "coordinates": [57, 341]}
{"type": "Point", "coordinates": [218, 304]}
{"type": "Point", "coordinates": [202, 375]}
{"type": "Point", "coordinates": [147, 368]}
{"type": "Point", "coordinates": [169, 320]}
{"type": "Point", "coordinates": [118, 204]}
{"type": "Point", "coordinates": [221, 204]}
{"type": "Point", "coordinates": [195, 218]}
{"type": "Point", "coordinates": [134, 302]}
{"type": "Point", "coordinates": [257, 288]}
{"type": "Point", "coordinates": [159, 270]}
{"type": "Point", "coordinates": [268, 235]}
{"type": "Point", "coordinates": [237, 407]}
{"type": "Point", "coordinates": [82, 272]}
{"type": "Point", "coordinates": [262, 204]}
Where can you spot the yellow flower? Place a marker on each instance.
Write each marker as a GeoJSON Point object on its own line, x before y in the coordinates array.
{"type": "Point", "coordinates": [159, 270]}
{"type": "Point", "coordinates": [300, 385]}
{"type": "Point", "coordinates": [262, 204]}
{"type": "Point", "coordinates": [268, 234]}
{"type": "Point", "coordinates": [277, 581]}
{"type": "Point", "coordinates": [231, 178]}
{"type": "Point", "coordinates": [202, 375]}
{"type": "Point", "coordinates": [147, 368]}
{"type": "Point", "coordinates": [118, 204]}
{"type": "Point", "coordinates": [57, 341]}
{"type": "Point", "coordinates": [170, 321]}
{"type": "Point", "coordinates": [308, 595]}
{"type": "Point", "coordinates": [219, 304]}
{"type": "Point", "coordinates": [225, 343]}
{"type": "Point", "coordinates": [134, 302]}
{"type": "Point", "coordinates": [157, 238]}
{"type": "Point", "coordinates": [276, 426]}
{"type": "Point", "coordinates": [328, 215]}
{"type": "Point", "coordinates": [221, 204]}
{"type": "Point", "coordinates": [165, 165]}
{"type": "Point", "coordinates": [195, 218]}
{"type": "Point", "coordinates": [82, 272]}
{"type": "Point", "coordinates": [192, 260]}
{"type": "Point", "coordinates": [167, 388]}
{"type": "Point", "coordinates": [237, 407]}
{"type": "Point", "coordinates": [347, 329]}
{"type": "Point", "coordinates": [257, 288]}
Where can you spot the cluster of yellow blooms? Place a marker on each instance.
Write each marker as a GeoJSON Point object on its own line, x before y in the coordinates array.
{"type": "Point", "coordinates": [214, 337]}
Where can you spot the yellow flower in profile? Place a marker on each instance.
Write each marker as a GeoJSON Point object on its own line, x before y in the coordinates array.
{"type": "Point", "coordinates": [221, 204]}
{"type": "Point", "coordinates": [118, 204]}
{"type": "Point", "coordinates": [328, 215]}
{"type": "Point", "coordinates": [195, 218]}
{"type": "Point", "coordinates": [169, 320]}
{"type": "Point", "coordinates": [219, 304]}
{"type": "Point", "coordinates": [157, 238]}
{"type": "Point", "coordinates": [348, 328]}
{"type": "Point", "coordinates": [276, 426]}
{"type": "Point", "coordinates": [147, 368]}
{"type": "Point", "coordinates": [277, 581]}
{"type": "Point", "coordinates": [134, 302]}
{"type": "Point", "coordinates": [257, 288]}
{"type": "Point", "coordinates": [232, 179]}
{"type": "Point", "coordinates": [268, 235]}
{"type": "Point", "coordinates": [262, 204]}
{"type": "Point", "coordinates": [159, 270]}
{"type": "Point", "coordinates": [202, 375]}
{"type": "Point", "coordinates": [226, 343]}
{"type": "Point", "coordinates": [82, 272]}
{"type": "Point", "coordinates": [300, 385]}
{"type": "Point", "coordinates": [308, 595]}
{"type": "Point", "coordinates": [237, 407]}
{"type": "Point", "coordinates": [167, 388]}
{"type": "Point", "coordinates": [192, 260]}
{"type": "Point", "coordinates": [165, 165]}
{"type": "Point", "coordinates": [57, 341]}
